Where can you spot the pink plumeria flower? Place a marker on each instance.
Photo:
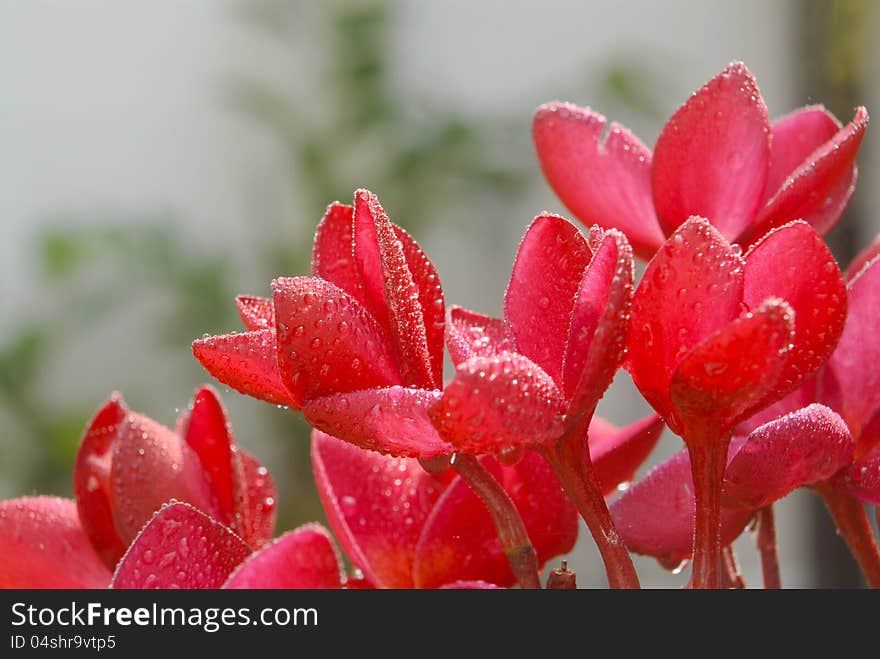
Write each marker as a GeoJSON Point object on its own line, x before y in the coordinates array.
{"type": "Point", "coordinates": [718, 157]}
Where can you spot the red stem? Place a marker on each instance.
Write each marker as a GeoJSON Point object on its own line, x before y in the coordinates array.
{"type": "Point", "coordinates": [732, 576]}
{"type": "Point", "coordinates": [854, 527]}
{"type": "Point", "coordinates": [509, 525]}
{"type": "Point", "coordinates": [570, 459]}
{"type": "Point", "coordinates": [766, 541]}
{"type": "Point", "coordinates": [708, 462]}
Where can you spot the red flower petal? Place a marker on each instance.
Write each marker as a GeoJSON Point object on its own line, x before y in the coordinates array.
{"type": "Point", "coordinates": [601, 181]}
{"type": "Point", "coordinates": [327, 342]}
{"type": "Point", "coordinates": [862, 479]}
{"type": "Point", "coordinates": [600, 322]}
{"type": "Point", "coordinates": [655, 516]}
{"type": "Point", "coordinates": [616, 453]}
{"type": "Point", "coordinates": [91, 480]}
{"type": "Point", "coordinates": [205, 428]}
{"type": "Point", "coordinates": [711, 158]}
{"type": "Point", "coordinates": [819, 190]}
{"type": "Point", "coordinates": [862, 259]}
{"type": "Point", "coordinates": [376, 506]}
{"type": "Point", "coordinates": [459, 541]}
{"type": "Point", "coordinates": [304, 558]}
{"type": "Point", "coordinates": [801, 448]}
{"type": "Point", "coordinates": [391, 292]}
{"type": "Point", "coordinates": [256, 499]}
{"type": "Point", "coordinates": [726, 377]}
{"type": "Point", "coordinates": [393, 420]}
{"type": "Point", "coordinates": [426, 279]}
{"type": "Point", "coordinates": [545, 279]}
{"type": "Point", "coordinates": [496, 403]}
{"type": "Point", "coordinates": [794, 264]}
{"type": "Point", "coordinates": [42, 545]}
{"type": "Point", "coordinates": [257, 313]}
{"type": "Point", "coordinates": [691, 289]}
{"type": "Point", "coordinates": [247, 363]}
{"type": "Point", "coordinates": [854, 364]}
{"type": "Point", "coordinates": [180, 547]}
{"type": "Point", "coordinates": [471, 334]}
{"type": "Point", "coordinates": [794, 137]}
{"type": "Point", "coordinates": [152, 466]}
{"type": "Point", "coordinates": [333, 251]}
{"type": "Point", "coordinates": [470, 585]}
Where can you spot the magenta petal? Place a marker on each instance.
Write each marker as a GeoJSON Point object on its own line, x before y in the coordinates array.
{"type": "Point", "coordinates": [712, 157]}
{"type": "Point", "coordinates": [681, 300]}
{"type": "Point", "coordinates": [91, 480]}
{"type": "Point", "coordinates": [392, 420]}
{"type": "Point", "coordinates": [302, 559]}
{"type": "Point", "coordinates": [545, 279]}
{"type": "Point", "coordinates": [471, 334]}
{"type": "Point", "coordinates": [376, 506]}
{"type": "Point", "coordinates": [604, 181]}
{"type": "Point", "coordinates": [655, 516]}
{"type": "Point", "coordinates": [794, 137]}
{"type": "Point", "coordinates": [801, 448]}
{"type": "Point", "coordinates": [256, 498]}
{"type": "Point", "coordinates": [180, 548]}
{"type": "Point", "coordinates": [333, 251]}
{"type": "Point", "coordinates": [819, 190]}
{"type": "Point", "coordinates": [793, 263]}
{"type": "Point", "coordinates": [152, 466]}
{"type": "Point", "coordinates": [855, 364]}
{"type": "Point", "coordinates": [459, 541]}
{"type": "Point", "coordinates": [862, 478]}
{"type": "Point", "coordinates": [246, 362]}
{"type": "Point", "coordinates": [327, 341]}
{"type": "Point", "coordinates": [496, 403]}
{"type": "Point", "coordinates": [257, 313]}
{"type": "Point", "coordinates": [862, 259]}
{"type": "Point", "coordinates": [616, 453]}
{"type": "Point", "coordinates": [42, 545]}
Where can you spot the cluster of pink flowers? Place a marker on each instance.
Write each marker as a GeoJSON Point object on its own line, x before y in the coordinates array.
{"type": "Point", "coordinates": [742, 334]}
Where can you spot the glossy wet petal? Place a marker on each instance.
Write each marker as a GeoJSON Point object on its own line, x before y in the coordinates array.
{"type": "Point", "coordinates": [602, 180]}
{"type": "Point", "coordinates": [257, 313]}
{"type": "Point", "coordinates": [471, 334]}
{"type": "Point", "coordinates": [256, 501]}
{"type": "Point", "coordinates": [42, 545]}
{"type": "Point", "coordinates": [617, 453]}
{"type": "Point", "coordinates": [333, 251]}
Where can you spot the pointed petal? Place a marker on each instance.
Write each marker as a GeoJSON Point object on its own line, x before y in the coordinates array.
{"type": "Point", "coordinates": [247, 363]}
{"type": "Point", "coordinates": [42, 545]}
{"type": "Point", "coordinates": [333, 251]}
{"type": "Point", "coordinates": [540, 296]}
{"type": "Point", "coordinates": [327, 342]}
{"type": "Point", "coordinates": [655, 516]}
{"type": "Point", "coordinates": [393, 420]}
{"type": "Point", "coordinates": [801, 448]}
{"type": "Point", "coordinates": [459, 541]}
{"type": "Point", "coordinates": [862, 259]}
{"type": "Point", "coordinates": [471, 334]}
{"type": "Point", "coordinates": [256, 499]}
{"type": "Point", "coordinates": [180, 547]}
{"type": "Point", "coordinates": [601, 181]}
{"type": "Point", "coordinates": [794, 264]}
{"type": "Point", "coordinates": [152, 466]}
{"type": "Point", "coordinates": [600, 321]}
{"type": "Point", "coordinates": [794, 137]}
{"type": "Point", "coordinates": [854, 364]}
{"type": "Point", "coordinates": [712, 157]}
{"type": "Point", "coordinates": [91, 480]}
{"type": "Point", "coordinates": [616, 453]}
{"type": "Point", "coordinates": [205, 428]}
{"type": "Point", "coordinates": [257, 313]}
{"type": "Point", "coordinates": [391, 292]}
{"type": "Point", "coordinates": [690, 290]}
{"type": "Point", "coordinates": [727, 376]}
{"type": "Point", "coordinates": [304, 558]}
{"type": "Point", "coordinates": [427, 280]}
{"type": "Point", "coordinates": [376, 506]}
{"type": "Point", "coordinates": [819, 190]}
{"type": "Point", "coordinates": [496, 403]}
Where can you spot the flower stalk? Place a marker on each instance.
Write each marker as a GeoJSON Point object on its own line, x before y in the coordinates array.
{"type": "Point", "coordinates": [854, 527]}
{"type": "Point", "coordinates": [766, 542]}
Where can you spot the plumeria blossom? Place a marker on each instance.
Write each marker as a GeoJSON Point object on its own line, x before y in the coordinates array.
{"type": "Point", "coordinates": [401, 526]}
{"type": "Point", "coordinates": [807, 446]}
{"type": "Point", "coordinates": [358, 346]}
{"type": "Point", "coordinates": [127, 467]}
{"type": "Point", "coordinates": [521, 381]}
{"type": "Point", "coordinates": [719, 156]}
